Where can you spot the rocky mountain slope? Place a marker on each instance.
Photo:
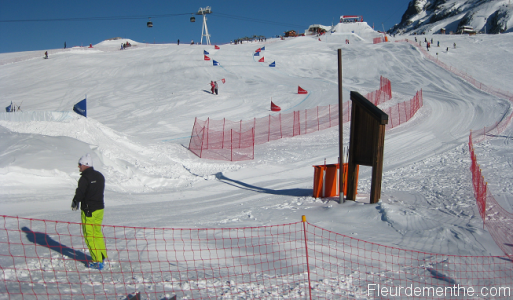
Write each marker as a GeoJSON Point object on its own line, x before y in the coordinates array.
{"type": "Point", "coordinates": [429, 16]}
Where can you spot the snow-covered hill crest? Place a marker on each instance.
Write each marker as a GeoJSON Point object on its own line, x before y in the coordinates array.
{"type": "Point", "coordinates": [429, 16]}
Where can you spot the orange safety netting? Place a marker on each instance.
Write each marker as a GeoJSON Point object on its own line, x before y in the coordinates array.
{"type": "Point", "coordinates": [46, 259]}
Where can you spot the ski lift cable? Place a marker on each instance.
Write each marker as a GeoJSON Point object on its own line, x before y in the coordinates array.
{"type": "Point", "coordinates": [94, 18]}
{"type": "Point", "coordinates": [112, 18]}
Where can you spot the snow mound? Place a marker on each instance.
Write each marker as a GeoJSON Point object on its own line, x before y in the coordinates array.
{"type": "Point", "coordinates": [130, 166]}
{"type": "Point", "coordinates": [116, 43]}
{"type": "Point", "coordinates": [361, 30]}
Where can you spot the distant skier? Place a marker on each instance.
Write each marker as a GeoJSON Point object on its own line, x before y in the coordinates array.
{"type": "Point", "coordinates": [454, 45]}
{"type": "Point", "coordinates": [212, 87]}
{"type": "Point", "coordinates": [192, 42]}
{"type": "Point", "coordinates": [216, 87]}
{"type": "Point", "coordinates": [46, 54]}
{"type": "Point", "coordinates": [178, 42]}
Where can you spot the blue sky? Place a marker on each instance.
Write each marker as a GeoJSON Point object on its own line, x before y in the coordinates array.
{"type": "Point", "coordinates": [90, 22]}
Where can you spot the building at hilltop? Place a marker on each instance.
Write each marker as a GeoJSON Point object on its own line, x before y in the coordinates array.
{"type": "Point", "coordinates": [350, 19]}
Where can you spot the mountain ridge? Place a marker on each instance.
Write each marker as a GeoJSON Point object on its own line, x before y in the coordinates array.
{"type": "Point", "coordinates": [429, 16]}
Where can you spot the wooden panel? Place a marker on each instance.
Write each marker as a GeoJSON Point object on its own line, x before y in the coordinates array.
{"type": "Point", "coordinates": [366, 144]}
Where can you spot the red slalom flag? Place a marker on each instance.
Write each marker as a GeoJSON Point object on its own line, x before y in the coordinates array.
{"type": "Point", "coordinates": [275, 107]}
{"type": "Point", "coordinates": [301, 90]}
{"type": "Point", "coordinates": [261, 60]}
{"type": "Point", "coordinates": [258, 50]}
{"type": "Point", "coordinates": [216, 47]}
{"type": "Point", "coordinates": [223, 80]}
{"type": "Point", "coordinates": [206, 57]}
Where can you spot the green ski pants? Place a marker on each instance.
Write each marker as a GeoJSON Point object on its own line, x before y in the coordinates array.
{"type": "Point", "coordinates": [92, 230]}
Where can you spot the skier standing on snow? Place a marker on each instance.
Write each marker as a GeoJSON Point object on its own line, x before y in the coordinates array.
{"type": "Point", "coordinates": [212, 87]}
{"type": "Point", "coordinates": [216, 86]}
{"type": "Point", "coordinates": [46, 54]}
{"type": "Point", "coordinates": [89, 193]}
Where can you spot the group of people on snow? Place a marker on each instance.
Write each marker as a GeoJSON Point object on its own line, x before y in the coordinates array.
{"type": "Point", "coordinates": [428, 44]}
{"type": "Point", "coordinates": [214, 87]}
{"type": "Point", "coordinates": [124, 45]}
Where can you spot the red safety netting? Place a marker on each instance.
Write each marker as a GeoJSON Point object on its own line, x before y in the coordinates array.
{"type": "Point", "coordinates": [233, 141]}
{"type": "Point", "coordinates": [213, 139]}
{"type": "Point", "coordinates": [404, 111]}
{"type": "Point", "coordinates": [378, 40]}
{"type": "Point", "coordinates": [42, 259]}
{"type": "Point", "coordinates": [497, 220]}
{"type": "Point", "coordinates": [489, 89]}
{"type": "Point", "coordinates": [493, 130]}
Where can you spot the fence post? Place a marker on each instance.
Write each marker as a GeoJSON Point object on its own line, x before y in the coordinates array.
{"type": "Point", "coordinates": [202, 140]}
{"type": "Point", "coordinates": [299, 122]}
{"type": "Point", "coordinates": [484, 202]}
{"type": "Point", "coordinates": [307, 262]}
{"type": "Point", "coordinates": [329, 114]}
{"type": "Point", "coordinates": [399, 112]}
{"type": "Point", "coordinates": [411, 107]}
{"type": "Point", "coordinates": [281, 133]}
{"type": "Point", "coordinates": [306, 122]}
{"type": "Point", "coordinates": [269, 130]}
{"type": "Point", "coordinates": [208, 129]}
{"type": "Point", "coordinates": [224, 123]}
{"type": "Point", "coordinates": [192, 133]}
{"type": "Point", "coordinates": [405, 112]}
{"type": "Point", "coordinates": [318, 118]}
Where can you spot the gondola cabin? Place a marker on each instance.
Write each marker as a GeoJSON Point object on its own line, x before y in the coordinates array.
{"type": "Point", "coordinates": [193, 19]}
{"type": "Point", "coordinates": [149, 24]}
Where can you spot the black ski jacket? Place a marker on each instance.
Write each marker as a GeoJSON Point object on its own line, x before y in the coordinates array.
{"type": "Point", "coordinates": [91, 186]}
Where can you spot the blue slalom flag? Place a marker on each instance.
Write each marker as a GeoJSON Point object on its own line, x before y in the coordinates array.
{"type": "Point", "coordinates": [9, 108]}
{"type": "Point", "coordinates": [205, 52]}
{"type": "Point", "coordinates": [81, 108]}
{"type": "Point", "coordinates": [257, 54]}
{"type": "Point", "coordinates": [216, 63]}
{"type": "Point", "coordinates": [273, 64]}
{"type": "Point", "coordinates": [263, 48]}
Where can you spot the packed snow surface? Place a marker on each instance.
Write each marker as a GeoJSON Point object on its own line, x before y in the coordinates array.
{"type": "Point", "coordinates": [142, 103]}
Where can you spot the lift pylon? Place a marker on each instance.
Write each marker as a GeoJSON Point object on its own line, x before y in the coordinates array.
{"type": "Point", "coordinates": [204, 30]}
